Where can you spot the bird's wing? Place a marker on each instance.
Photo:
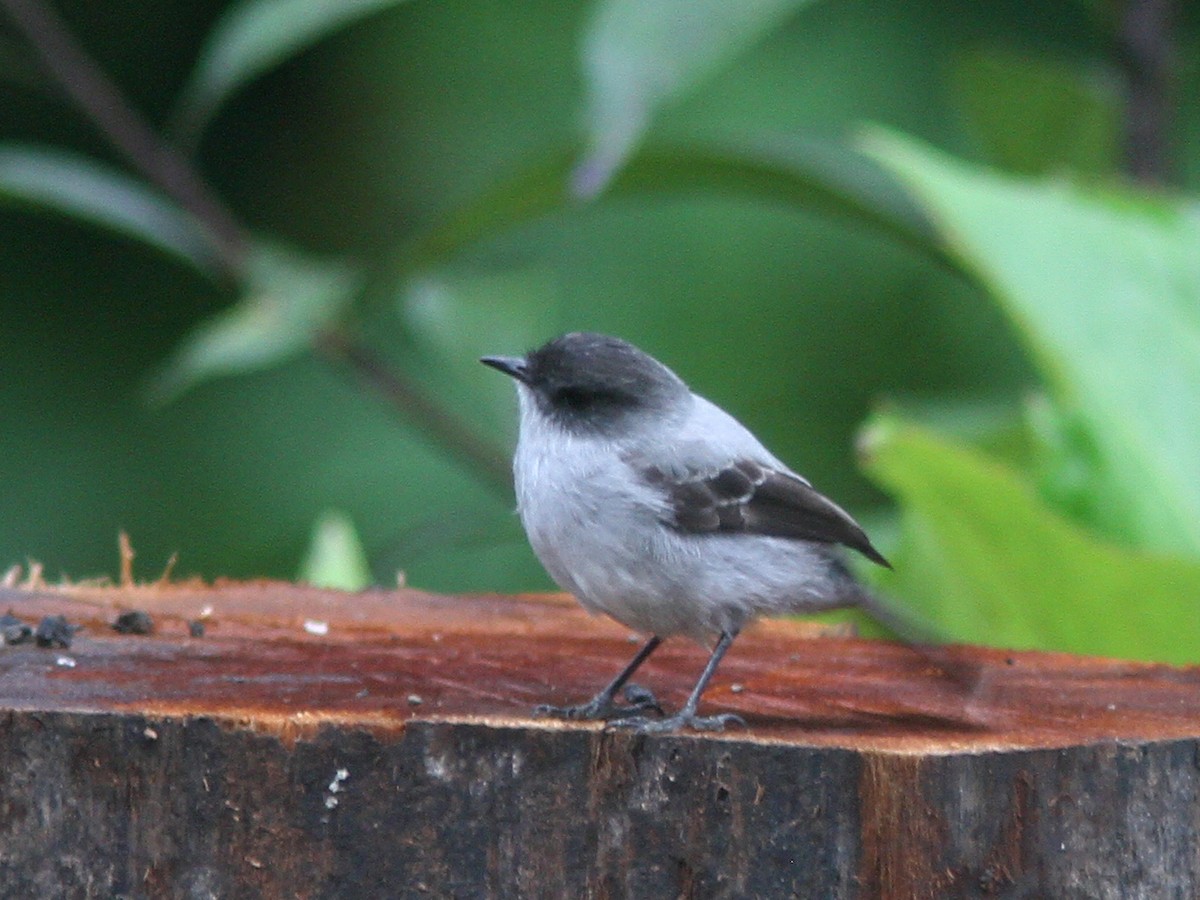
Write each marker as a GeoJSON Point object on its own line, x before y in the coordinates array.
{"type": "Point", "coordinates": [755, 498]}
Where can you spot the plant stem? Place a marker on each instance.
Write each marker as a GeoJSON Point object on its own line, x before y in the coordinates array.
{"type": "Point", "coordinates": [445, 429]}
{"type": "Point", "coordinates": [90, 89]}
{"type": "Point", "coordinates": [86, 84]}
{"type": "Point", "coordinates": [1147, 53]}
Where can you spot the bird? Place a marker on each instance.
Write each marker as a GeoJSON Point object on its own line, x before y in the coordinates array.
{"type": "Point", "coordinates": [655, 507]}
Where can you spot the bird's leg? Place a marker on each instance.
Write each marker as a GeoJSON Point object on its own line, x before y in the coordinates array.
{"type": "Point", "coordinates": [686, 717]}
{"type": "Point", "coordinates": [602, 706]}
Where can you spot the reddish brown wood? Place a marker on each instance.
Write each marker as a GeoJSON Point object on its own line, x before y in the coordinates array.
{"type": "Point", "coordinates": [864, 770]}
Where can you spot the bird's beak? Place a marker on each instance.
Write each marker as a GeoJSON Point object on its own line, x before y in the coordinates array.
{"type": "Point", "coordinates": [509, 365]}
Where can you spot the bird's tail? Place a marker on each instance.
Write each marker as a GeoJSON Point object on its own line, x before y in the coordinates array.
{"type": "Point", "coordinates": [906, 626]}
{"type": "Point", "coordinates": [919, 635]}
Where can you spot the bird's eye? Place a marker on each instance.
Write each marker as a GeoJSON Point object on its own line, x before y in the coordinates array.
{"type": "Point", "coordinates": [574, 398]}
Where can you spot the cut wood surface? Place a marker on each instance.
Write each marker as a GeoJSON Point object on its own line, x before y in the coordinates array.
{"type": "Point", "coordinates": [323, 744]}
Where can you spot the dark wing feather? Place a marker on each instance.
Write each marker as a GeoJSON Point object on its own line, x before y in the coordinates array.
{"type": "Point", "coordinates": [755, 499]}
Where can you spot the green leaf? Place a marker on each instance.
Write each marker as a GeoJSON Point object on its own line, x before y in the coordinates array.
{"type": "Point", "coordinates": [83, 189]}
{"type": "Point", "coordinates": [1035, 114]}
{"type": "Point", "coordinates": [641, 54]}
{"type": "Point", "coordinates": [336, 558]}
{"type": "Point", "coordinates": [819, 176]}
{"type": "Point", "coordinates": [1104, 289]}
{"type": "Point", "coordinates": [253, 37]}
{"type": "Point", "coordinates": [1064, 461]}
{"type": "Point", "coordinates": [983, 556]}
{"type": "Point", "coordinates": [288, 300]}
{"type": "Point", "coordinates": [997, 426]}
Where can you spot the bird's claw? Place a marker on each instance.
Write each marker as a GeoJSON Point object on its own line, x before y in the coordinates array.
{"type": "Point", "coordinates": [641, 701]}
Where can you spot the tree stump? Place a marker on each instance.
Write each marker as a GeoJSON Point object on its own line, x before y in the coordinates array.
{"type": "Point", "coordinates": [319, 744]}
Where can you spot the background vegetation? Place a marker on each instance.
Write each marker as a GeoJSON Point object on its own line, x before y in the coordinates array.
{"type": "Point", "coordinates": [249, 253]}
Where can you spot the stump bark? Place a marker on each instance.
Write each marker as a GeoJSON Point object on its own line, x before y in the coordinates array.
{"type": "Point", "coordinates": [328, 745]}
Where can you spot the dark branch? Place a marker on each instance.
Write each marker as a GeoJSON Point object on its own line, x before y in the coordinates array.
{"type": "Point", "coordinates": [434, 421]}
{"type": "Point", "coordinates": [1147, 53]}
{"type": "Point", "coordinates": [102, 102]}
{"type": "Point", "coordinates": [94, 93]}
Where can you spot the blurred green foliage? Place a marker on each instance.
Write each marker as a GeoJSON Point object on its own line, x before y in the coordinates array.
{"type": "Point", "coordinates": [414, 184]}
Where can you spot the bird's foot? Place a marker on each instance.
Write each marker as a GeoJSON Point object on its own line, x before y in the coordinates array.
{"type": "Point", "coordinates": [678, 722]}
{"type": "Point", "coordinates": [601, 707]}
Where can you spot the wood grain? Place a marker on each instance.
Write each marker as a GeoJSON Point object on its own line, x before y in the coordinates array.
{"type": "Point", "coordinates": [170, 765]}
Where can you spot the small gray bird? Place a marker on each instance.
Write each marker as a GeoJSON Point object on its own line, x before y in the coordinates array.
{"type": "Point", "coordinates": [654, 506]}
